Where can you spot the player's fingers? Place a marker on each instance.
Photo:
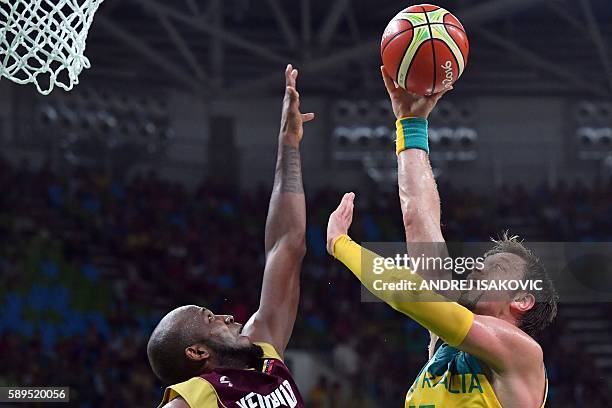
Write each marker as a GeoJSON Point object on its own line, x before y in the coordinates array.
{"type": "Point", "coordinates": [292, 75]}
{"type": "Point", "coordinates": [347, 204]}
{"type": "Point", "coordinates": [351, 206]}
{"type": "Point", "coordinates": [293, 94]}
{"type": "Point", "coordinates": [348, 198]}
{"type": "Point", "coordinates": [349, 214]}
{"type": "Point", "coordinates": [307, 117]}
{"type": "Point", "coordinates": [389, 84]}
{"type": "Point", "coordinates": [436, 97]}
{"type": "Point", "coordinates": [342, 205]}
{"type": "Point", "coordinates": [349, 218]}
{"type": "Point", "coordinates": [346, 212]}
{"type": "Point", "coordinates": [291, 79]}
{"type": "Point", "coordinates": [288, 70]}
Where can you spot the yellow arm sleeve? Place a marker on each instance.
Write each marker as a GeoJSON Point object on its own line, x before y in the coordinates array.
{"type": "Point", "coordinates": [449, 320]}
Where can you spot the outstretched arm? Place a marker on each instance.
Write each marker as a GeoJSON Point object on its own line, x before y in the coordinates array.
{"type": "Point", "coordinates": [285, 231]}
{"type": "Point", "coordinates": [504, 347]}
{"type": "Point", "coordinates": [419, 199]}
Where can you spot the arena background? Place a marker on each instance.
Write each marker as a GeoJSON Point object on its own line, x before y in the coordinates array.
{"type": "Point", "coordinates": [146, 187]}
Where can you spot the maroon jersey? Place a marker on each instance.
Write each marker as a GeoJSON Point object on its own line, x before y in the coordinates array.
{"type": "Point", "coordinates": [270, 386]}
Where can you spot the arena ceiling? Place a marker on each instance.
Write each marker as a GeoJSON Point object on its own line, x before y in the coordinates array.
{"type": "Point", "coordinates": [237, 47]}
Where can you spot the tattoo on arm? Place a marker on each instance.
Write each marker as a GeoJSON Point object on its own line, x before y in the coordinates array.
{"type": "Point", "coordinates": [290, 170]}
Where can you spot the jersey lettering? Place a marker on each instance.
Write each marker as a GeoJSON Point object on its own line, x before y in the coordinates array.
{"type": "Point", "coordinates": [283, 396]}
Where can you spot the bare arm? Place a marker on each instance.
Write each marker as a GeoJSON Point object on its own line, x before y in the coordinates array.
{"type": "Point", "coordinates": [285, 231]}
{"type": "Point", "coordinates": [515, 359]}
{"type": "Point", "coordinates": [419, 198]}
{"type": "Point", "coordinates": [501, 345]}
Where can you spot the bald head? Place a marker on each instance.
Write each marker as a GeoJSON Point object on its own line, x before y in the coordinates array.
{"type": "Point", "coordinates": [166, 348]}
{"type": "Point", "coordinates": [191, 340]}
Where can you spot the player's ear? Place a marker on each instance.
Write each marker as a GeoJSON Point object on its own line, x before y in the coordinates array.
{"type": "Point", "coordinates": [522, 302]}
{"type": "Point", "coordinates": [197, 352]}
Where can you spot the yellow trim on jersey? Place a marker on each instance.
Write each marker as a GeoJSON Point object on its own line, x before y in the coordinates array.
{"type": "Point", "coordinates": [445, 391]}
{"type": "Point", "coordinates": [269, 351]}
{"type": "Point", "coordinates": [197, 392]}
{"type": "Point", "coordinates": [449, 320]}
{"type": "Point", "coordinates": [545, 394]}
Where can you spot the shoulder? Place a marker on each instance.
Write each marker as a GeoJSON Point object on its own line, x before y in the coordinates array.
{"type": "Point", "coordinates": [195, 392]}
{"type": "Point", "coordinates": [502, 345]}
{"type": "Point", "coordinates": [178, 402]}
{"type": "Point", "coordinates": [269, 351]}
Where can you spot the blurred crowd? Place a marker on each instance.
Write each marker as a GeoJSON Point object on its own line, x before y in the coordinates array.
{"type": "Point", "coordinates": [90, 264]}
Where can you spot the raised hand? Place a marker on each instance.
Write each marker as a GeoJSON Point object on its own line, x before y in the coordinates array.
{"type": "Point", "coordinates": [340, 220]}
{"type": "Point", "coordinates": [292, 119]}
{"type": "Point", "coordinates": [406, 104]}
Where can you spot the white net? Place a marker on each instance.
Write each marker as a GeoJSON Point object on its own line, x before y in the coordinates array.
{"type": "Point", "coordinates": [43, 41]}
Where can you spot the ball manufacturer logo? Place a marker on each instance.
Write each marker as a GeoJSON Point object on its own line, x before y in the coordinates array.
{"type": "Point", "coordinates": [448, 74]}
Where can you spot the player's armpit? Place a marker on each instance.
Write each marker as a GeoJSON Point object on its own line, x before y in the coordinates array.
{"type": "Point", "coordinates": [501, 345]}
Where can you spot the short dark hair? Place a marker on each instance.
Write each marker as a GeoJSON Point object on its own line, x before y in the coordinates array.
{"type": "Point", "coordinates": [544, 310]}
{"type": "Point", "coordinates": [166, 351]}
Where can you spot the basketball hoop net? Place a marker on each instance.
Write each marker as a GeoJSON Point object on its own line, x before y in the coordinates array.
{"type": "Point", "coordinates": [43, 41]}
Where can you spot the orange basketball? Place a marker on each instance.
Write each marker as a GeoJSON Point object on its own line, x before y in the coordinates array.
{"type": "Point", "coordinates": [424, 49]}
